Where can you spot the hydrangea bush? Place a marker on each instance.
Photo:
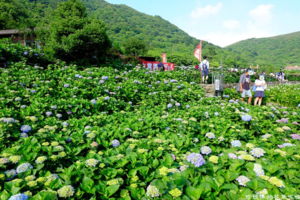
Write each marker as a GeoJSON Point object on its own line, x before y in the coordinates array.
{"type": "Point", "coordinates": [101, 133]}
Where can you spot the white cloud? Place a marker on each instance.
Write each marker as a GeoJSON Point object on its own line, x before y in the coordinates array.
{"type": "Point", "coordinates": [262, 14]}
{"type": "Point", "coordinates": [231, 24]}
{"type": "Point", "coordinates": [206, 11]}
{"type": "Point", "coordinates": [224, 39]}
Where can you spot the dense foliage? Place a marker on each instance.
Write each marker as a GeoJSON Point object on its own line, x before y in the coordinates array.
{"type": "Point", "coordinates": [123, 132]}
{"type": "Point", "coordinates": [275, 52]}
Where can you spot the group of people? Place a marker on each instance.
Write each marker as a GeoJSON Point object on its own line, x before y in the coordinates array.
{"type": "Point", "coordinates": [259, 87]}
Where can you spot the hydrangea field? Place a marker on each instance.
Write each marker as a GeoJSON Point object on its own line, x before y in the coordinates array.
{"type": "Point", "coordinates": [127, 133]}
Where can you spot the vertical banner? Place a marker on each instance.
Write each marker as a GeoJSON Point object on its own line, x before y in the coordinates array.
{"type": "Point", "coordinates": [164, 57]}
{"type": "Point", "coordinates": [197, 52]}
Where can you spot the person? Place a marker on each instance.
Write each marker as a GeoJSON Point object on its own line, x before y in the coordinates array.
{"type": "Point", "coordinates": [245, 86]}
{"type": "Point", "coordinates": [280, 76]}
{"type": "Point", "coordinates": [261, 85]}
{"type": "Point", "coordinates": [161, 66]}
{"type": "Point", "coordinates": [204, 66]}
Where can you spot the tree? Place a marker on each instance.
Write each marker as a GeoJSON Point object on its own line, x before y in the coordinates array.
{"type": "Point", "coordinates": [75, 37]}
{"type": "Point", "coordinates": [11, 14]}
{"type": "Point", "coordinates": [135, 47]}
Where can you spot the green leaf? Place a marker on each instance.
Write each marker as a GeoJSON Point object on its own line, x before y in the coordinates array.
{"type": "Point", "coordinates": [88, 185]}
{"type": "Point", "coordinates": [112, 189]}
{"type": "Point", "coordinates": [194, 193]}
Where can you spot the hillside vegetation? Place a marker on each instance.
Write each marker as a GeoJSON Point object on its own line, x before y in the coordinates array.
{"type": "Point", "coordinates": [124, 23]}
{"type": "Point", "coordinates": [279, 51]}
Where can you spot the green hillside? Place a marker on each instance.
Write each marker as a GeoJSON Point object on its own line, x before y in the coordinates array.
{"type": "Point", "coordinates": [278, 51]}
{"type": "Point", "coordinates": [123, 23]}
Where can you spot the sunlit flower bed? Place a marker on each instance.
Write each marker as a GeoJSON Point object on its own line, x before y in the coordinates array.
{"type": "Point", "coordinates": [107, 133]}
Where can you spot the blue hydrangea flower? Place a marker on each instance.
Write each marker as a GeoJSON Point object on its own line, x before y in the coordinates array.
{"type": "Point", "coordinates": [65, 124]}
{"type": "Point", "coordinates": [173, 81]}
{"type": "Point", "coordinates": [23, 167]}
{"type": "Point", "coordinates": [247, 109]}
{"type": "Point", "coordinates": [10, 174]}
{"type": "Point", "coordinates": [192, 83]}
{"type": "Point", "coordinates": [93, 101]}
{"type": "Point", "coordinates": [217, 114]}
{"type": "Point", "coordinates": [196, 159]}
{"type": "Point", "coordinates": [119, 87]}
{"type": "Point", "coordinates": [19, 197]}
{"type": "Point", "coordinates": [106, 98]}
{"type": "Point", "coordinates": [299, 105]}
{"type": "Point", "coordinates": [66, 85]}
{"type": "Point", "coordinates": [149, 85]}
{"type": "Point", "coordinates": [231, 101]}
{"type": "Point", "coordinates": [169, 105]}
{"type": "Point", "coordinates": [9, 120]}
{"type": "Point", "coordinates": [104, 77]}
{"type": "Point", "coordinates": [48, 113]}
{"type": "Point", "coordinates": [54, 107]}
{"type": "Point", "coordinates": [246, 118]}
{"type": "Point", "coordinates": [25, 128]}
{"type": "Point", "coordinates": [23, 106]}
{"type": "Point", "coordinates": [32, 91]}
{"type": "Point", "coordinates": [177, 104]}
{"type": "Point", "coordinates": [236, 143]}
{"type": "Point", "coordinates": [58, 115]}
{"type": "Point", "coordinates": [25, 53]}
{"type": "Point", "coordinates": [101, 81]}
{"type": "Point", "coordinates": [115, 143]}
{"type": "Point", "coordinates": [205, 150]}
{"type": "Point", "coordinates": [188, 106]}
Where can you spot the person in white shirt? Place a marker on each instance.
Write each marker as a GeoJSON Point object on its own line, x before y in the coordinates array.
{"type": "Point", "coordinates": [261, 85]}
{"type": "Point", "coordinates": [204, 66]}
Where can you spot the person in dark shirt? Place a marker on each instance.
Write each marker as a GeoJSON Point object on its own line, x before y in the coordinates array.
{"type": "Point", "coordinates": [245, 86]}
{"type": "Point", "coordinates": [161, 66]}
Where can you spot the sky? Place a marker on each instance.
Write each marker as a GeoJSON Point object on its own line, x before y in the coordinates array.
{"type": "Point", "coordinates": [224, 22]}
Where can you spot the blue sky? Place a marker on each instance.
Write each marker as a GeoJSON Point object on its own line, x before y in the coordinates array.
{"type": "Point", "coordinates": [224, 22]}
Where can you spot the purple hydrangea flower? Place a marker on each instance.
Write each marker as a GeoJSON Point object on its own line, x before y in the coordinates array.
{"type": "Point", "coordinates": [104, 77]}
{"type": "Point", "coordinates": [295, 136]}
{"type": "Point", "coordinates": [284, 120]}
{"type": "Point", "coordinates": [25, 53]}
{"type": "Point", "coordinates": [106, 98]}
{"type": "Point", "coordinates": [69, 112]}
{"type": "Point", "coordinates": [48, 113]}
{"type": "Point", "coordinates": [217, 114]}
{"type": "Point", "coordinates": [232, 156]}
{"type": "Point", "coordinates": [23, 135]}
{"type": "Point", "coordinates": [93, 101]}
{"type": "Point", "coordinates": [169, 105]}
{"type": "Point", "coordinates": [115, 143]}
{"type": "Point", "coordinates": [295, 123]}
{"type": "Point", "coordinates": [231, 101]}
{"type": "Point", "coordinates": [196, 159]}
{"type": "Point", "coordinates": [177, 104]}
{"type": "Point", "coordinates": [32, 91]}
{"type": "Point", "coordinates": [66, 85]}
{"type": "Point", "coordinates": [173, 156]}
{"type": "Point", "coordinates": [119, 87]}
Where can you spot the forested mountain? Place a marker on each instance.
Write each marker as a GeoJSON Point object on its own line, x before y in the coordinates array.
{"type": "Point", "coordinates": [278, 51]}
{"type": "Point", "coordinates": [123, 23]}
